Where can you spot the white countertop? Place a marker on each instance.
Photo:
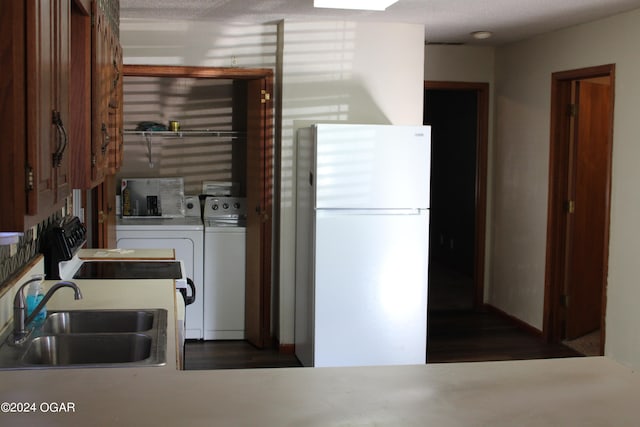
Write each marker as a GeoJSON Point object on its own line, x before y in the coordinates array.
{"type": "Point", "coordinates": [138, 254]}
{"type": "Point", "coordinates": [562, 392]}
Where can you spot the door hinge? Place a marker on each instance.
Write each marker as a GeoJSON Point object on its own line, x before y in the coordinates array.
{"type": "Point", "coordinates": [29, 178]}
{"type": "Point", "coordinates": [264, 96]}
{"type": "Point", "coordinates": [564, 300]}
{"type": "Point", "coordinates": [570, 206]}
{"type": "Point", "coordinates": [573, 110]}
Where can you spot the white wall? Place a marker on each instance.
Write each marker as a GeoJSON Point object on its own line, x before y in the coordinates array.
{"type": "Point", "coordinates": [521, 167]}
{"type": "Point", "coordinates": [459, 63]}
{"type": "Point", "coordinates": [159, 42]}
{"type": "Point", "coordinates": [346, 72]}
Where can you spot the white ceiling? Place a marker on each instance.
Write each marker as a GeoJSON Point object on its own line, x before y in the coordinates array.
{"type": "Point", "coordinates": [445, 21]}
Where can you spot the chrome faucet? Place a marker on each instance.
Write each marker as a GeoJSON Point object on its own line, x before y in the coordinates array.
{"type": "Point", "coordinates": [20, 319]}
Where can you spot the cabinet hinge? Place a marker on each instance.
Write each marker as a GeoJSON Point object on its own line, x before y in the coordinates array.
{"type": "Point", "coordinates": [93, 160]}
{"type": "Point", "coordinates": [572, 110]}
{"type": "Point", "coordinates": [264, 96]}
{"type": "Point", "coordinates": [570, 206]}
{"type": "Point", "coordinates": [29, 178]}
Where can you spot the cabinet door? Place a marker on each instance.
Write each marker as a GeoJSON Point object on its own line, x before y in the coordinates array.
{"type": "Point", "coordinates": [12, 110]}
{"type": "Point", "coordinates": [61, 75]}
{"type": "Point", "coordinates": [42, 134]}
{"type": "Point", "coordinates": [115, 106]}
{"type": "Point", "coordinates": [47, 79]}
{"type": "Point", "coordinates": [101, 137]}
{"type": "Point", "coordinates": [82, 156]}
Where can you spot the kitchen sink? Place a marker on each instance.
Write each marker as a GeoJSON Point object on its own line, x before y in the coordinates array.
{"type": "Point", "coordinates": [88, 349]}
{"type": "Point", "coordinates": [91, 339]}
{"type": "Point", "coordinates": [85, 321]}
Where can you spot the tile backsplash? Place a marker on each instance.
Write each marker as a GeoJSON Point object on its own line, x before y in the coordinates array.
{"type": "Point", "coordinates": [14, 257]}
{"type": "Point", "coordinates": [7, 295]}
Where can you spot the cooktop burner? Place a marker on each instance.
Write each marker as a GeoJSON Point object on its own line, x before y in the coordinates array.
{"type": "Point", "coordinates": [129, 270]}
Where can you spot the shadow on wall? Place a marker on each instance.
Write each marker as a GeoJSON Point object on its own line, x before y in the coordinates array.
{"type": "Point", "coordinates": [319, 70]}
{"type": "Point", "coordinates": [321, 102]}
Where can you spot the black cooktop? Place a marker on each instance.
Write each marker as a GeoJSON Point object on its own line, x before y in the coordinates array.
{"type": "Point", "coordinates": [129, 270]}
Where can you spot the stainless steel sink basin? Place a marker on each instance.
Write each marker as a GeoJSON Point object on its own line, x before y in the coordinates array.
{"type": "Point", "coordinates": [88, 349]}
{"type": "Point", "coordinates": [85, 321]}
{"type": "Point", "coordinates": [91, 339]}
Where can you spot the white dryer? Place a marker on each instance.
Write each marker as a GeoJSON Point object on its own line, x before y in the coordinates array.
{"type": "Point", "coordinates": [183, 234]}
{"type": "Point", "coordinates": [224, 267]}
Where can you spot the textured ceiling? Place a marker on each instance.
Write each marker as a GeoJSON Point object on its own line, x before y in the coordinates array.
{"type": "Point", "coordinates": [445, 21]}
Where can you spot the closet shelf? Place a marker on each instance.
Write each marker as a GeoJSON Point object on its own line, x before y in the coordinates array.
{"type": "Point", "coordinates": [186, 133]}
{"type": "Point", "coordinates": [149, 134]}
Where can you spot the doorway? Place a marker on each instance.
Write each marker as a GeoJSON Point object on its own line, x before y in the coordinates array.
{"type": "Point", "coordinates": [579, 207]}
{"type": "Point", "coordinates": [458, 114]}
{"type": "Point", "coordinates": [253, 88]}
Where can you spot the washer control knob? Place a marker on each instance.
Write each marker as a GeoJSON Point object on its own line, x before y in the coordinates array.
{"type": "Point", "coordinates": [225, 205]}
{"type": "Point", "coordinates": [214, 207]}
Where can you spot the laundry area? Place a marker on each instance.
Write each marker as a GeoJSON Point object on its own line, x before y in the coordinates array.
{"type": "Point", "coordinates": [183, 185]}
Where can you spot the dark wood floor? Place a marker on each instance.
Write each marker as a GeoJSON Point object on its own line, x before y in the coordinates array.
{"type": "Point", "coordinates": [475, 336]}
{"type": "Point", "coordinates": [454, 336]}
{"type": "Point", "coordinates": [234, 355]}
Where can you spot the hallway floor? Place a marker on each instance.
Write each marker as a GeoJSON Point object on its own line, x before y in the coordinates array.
{"type": "Point", "coordinates": [454, 336]}
{"type": "Point", "coordinates": [474, 336]}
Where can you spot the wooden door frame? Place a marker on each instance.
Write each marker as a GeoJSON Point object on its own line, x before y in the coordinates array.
{"type": "Point", "coordinates": [266, 75]}
{"type": "Point", "coordinates": [558, 182]}
{"type": "Point", "coordinates": [482, 142]}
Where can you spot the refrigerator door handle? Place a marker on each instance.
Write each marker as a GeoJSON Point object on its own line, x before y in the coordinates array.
{"type": "Point", "coordinates": [406, 211]}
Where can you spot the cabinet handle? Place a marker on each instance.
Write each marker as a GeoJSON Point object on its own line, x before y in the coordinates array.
{"type": "Point", "coordinates": [106, 139]}
{"type": "Point", "coordinates": [62, 139]}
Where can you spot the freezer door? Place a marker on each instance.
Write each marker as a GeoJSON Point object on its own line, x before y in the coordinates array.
{"type": "Point", "coordinates": [372, 166]}
{"type": "Point", "coordinates": [370, 289]}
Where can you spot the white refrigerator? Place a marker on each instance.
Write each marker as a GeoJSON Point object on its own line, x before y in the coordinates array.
{"type": "Point", "coordinates": [362, 233]}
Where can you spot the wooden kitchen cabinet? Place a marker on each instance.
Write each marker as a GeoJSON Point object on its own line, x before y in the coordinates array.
{"type": "Point", "coordinates": [99, 152]}
{"type": "Point", "coordinates": [35, 98]}
{"type": "Point", "coordinates": [47, 102]}
{"type": "Point", "coordinates": [12, 111]}
{"type": "Point", "coordinates": [107, 90]}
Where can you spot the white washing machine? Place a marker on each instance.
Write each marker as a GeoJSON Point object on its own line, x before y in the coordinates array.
{"type": "Point", "coordinates": [186, 236]}
{"type": "Point", "coordinates": [224, 264]}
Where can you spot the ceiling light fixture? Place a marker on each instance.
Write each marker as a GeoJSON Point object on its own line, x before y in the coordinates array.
{"type": "Point", "coordinates": [481, 35]}
{"type": "Point", "coordinates": [354, 4]}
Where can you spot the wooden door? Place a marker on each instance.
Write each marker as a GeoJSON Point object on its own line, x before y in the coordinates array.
{"type": "Point", "coordinates": [579, 202]}
{"type": "Point", "coordinates": [588, 195]}
{"type": "Point", "coordinates": [259, 212]}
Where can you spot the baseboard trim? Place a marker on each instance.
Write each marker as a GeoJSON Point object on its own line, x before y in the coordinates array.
{"type": "Point", "coordinates": [286, 348]}
{"type": "Point", "coordinates": [517, 322]}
